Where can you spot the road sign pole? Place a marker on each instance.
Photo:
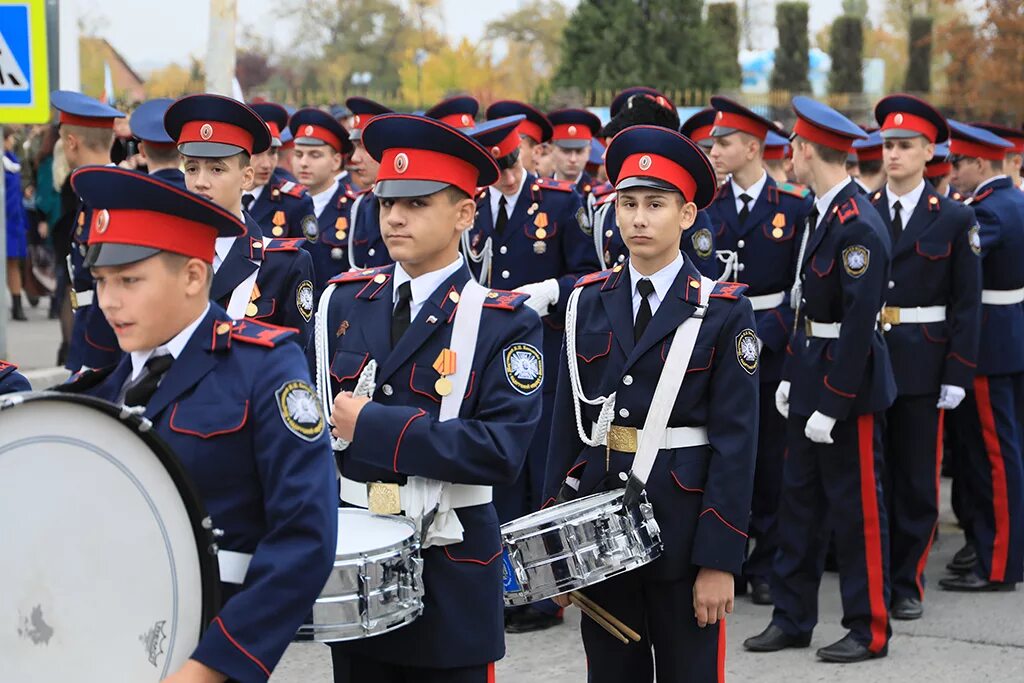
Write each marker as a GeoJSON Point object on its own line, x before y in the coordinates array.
{"type": "Point", "coordinates": [3, 265]}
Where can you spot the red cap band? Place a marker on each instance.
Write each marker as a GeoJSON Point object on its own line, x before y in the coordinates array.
{"type": "Point", "coordinates": [322, 134]}
{"type": "Point", "coordinates": [1018, 144]}
{"type": "Point", "coordinates": [702, 133]}
{"type": "Point", "coordinates": [775, 153]}
{"type": "Point", "coordinates": [659, 167]}
{"type": "Point", "coordinates": [86, 121]}
{"type": "Point", "coordinates": [725, 119]}
{"type": "Point", "coordinates": [938, 169]}
{"type": "Point", "coordinates": [458, 120]}
{"type": "Point", "coordinates": [421, 164]}
{"type": "Point", "coordinates": [904, 121]}
{"type": "Point", "coordinates": [141, 228]}
{"type": "Point", "coordinates": [571, 131]}
{"type": "Point", "coordinates": [275, 132]}
{"type": "Point", "coordinates": [216, 131]}
{"type": "Point", "coordinates": [809, 131]}
{"type": "Point", "coordinates": [869, 154]}
{"type": "Point", "coordinates": [509, 144]}
{"type": "Point", "coordinates": [531, 130]}
{"type": "Point", "coordinates": [966, 148]}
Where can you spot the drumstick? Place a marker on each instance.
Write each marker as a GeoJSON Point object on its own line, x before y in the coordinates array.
{"type": "Point", "coordinates": [601, 621]}
{"type": "Point", "coordinates": [607, 616]}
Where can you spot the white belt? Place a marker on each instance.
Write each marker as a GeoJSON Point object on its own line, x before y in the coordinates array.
{"type": "Point", "coordinates": [84, 298]}
{"type": "Point", "coordinates": [1002, 297]}
{"type": "Point", "coordinates": [462, 495]}
{"type": "Point", "coordinates": [765, 302]}
{"type": "Point", "coordinates": [893, 315]}
{"type": "Point", "coordinates": [822, 330]}
{"type": "Point", "coordinates": [233, 566]}
{"type": "Point", "coordinates": [626, 439]}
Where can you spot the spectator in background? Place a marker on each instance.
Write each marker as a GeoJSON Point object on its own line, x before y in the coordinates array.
{"type": "Point", "coordinates": [17, 224]}
{"type": "Point", "coordinates": [48, 208]}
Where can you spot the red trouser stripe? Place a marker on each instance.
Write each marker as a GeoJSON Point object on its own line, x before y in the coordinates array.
{"type": "Point", "coordinates": [1000, 501]}
{"type": "Point", "coordinates": [872, 531]}
{"type": "Point", "coordinates": [721, 651]}
{"type": "Point", "coordinates": [490, 673]}
{"type": "Point", "coordinates": [923, 560]}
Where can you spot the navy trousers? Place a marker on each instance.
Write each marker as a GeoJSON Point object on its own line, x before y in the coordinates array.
{"type": "Point", "coordinates": [771, 447]}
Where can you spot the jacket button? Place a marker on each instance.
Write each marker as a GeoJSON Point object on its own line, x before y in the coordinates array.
{"type": "Point", "coordinates": [623, 412]}
{"type": "Point", "coordinates": [505, 274]}
{"type": "Point", "coordinates": [623, 476]}
{"type": "Point", "coordinates": [891, 284]}
{"type": "Point", "coordinates": [608, 233]}
{"type": "Point", "coordinates": [622, 257]}
{"type": "Point", "coordinates": [741, 267]}
{"type": "Point", "coordinates": [372, 252]}
{"type": "Point", "coordinates": [387, 390]}
{"type": "Point", "coordinates": [627, 380]}
{"type": "Point", "coordinates": [741, 244]}
{"type": "Point", "coordinates": [887, 327]}
{"type": "Point", "coordinates": [503, 250]}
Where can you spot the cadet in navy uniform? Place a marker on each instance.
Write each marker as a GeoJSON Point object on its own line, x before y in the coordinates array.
{"type": "Point", "coordinates": [837, 383]}
{"type": "Point", "coordinates": [232, 400]}
{"type": "Point", "coordinates": [256, 276]}
{"type": "Point", "coordinates": [321, 145]}
{"type": "Point", "coordinates": [402, 317]}
{"type": "Point", "coordinates": [155, 146]}
{"type": "Point", "coordinates": [700, 486]}
{"type": "Point", "coordinates": [86, 131]}
{"type": "Point", "coordinates": [698, 128]}
{"type": "Point", "coordinates": [870, 170]}
{"type": "Point", "coordinates": [534, 133]}
{"type": "Point", "coordinates": [281, 206]}
{"type": "Point", "coordinates": [458, 112]}
{"type": "Point", "coordinates": [989, 424]}
{"type": "Point", "coordinates": [11, 380]}
{"type": "Point", "coordinates": [572, 130]}
{"type": "Point", "coordinates": [931, 321]}
{"type": "Point", "coordinates": [366, 247]}
{"type": "Point", "coordinates": [759, 225]}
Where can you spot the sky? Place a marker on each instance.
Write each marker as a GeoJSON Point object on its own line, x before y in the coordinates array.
{"type": "Point", "coordinates": [153, 33]}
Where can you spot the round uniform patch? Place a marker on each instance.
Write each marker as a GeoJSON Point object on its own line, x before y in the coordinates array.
{"type": "Point", "coordinates": [300, 411]}
{"type": "Point", "coordinates": [304, 299]}
{"type": "Point", "coordinates": [524, 367]}
{"type": "Point", "coordinates": [584, 222]}
{"type": "Point", "coordinates": [310, 228]}
{"type": "Point", "coordinates": [702, 242]}
{"type": "Point", "coordinates": [856, 259]}
{"type": "Point", "coordinates": [974, 239]}
{"type": "Point", "coordinates": [747, 350]}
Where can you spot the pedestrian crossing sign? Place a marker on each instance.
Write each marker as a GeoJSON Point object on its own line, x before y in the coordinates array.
{"type": "Point", "coordinates": [24, 80]}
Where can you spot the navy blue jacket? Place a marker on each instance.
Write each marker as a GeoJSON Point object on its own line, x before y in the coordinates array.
{"type": "Point", "coordinates": [365, 241]}
{"type": "Point", "coordinates": [285, 209]}
{"type": "Point", "coordinates": [11, 380]}
{"type": "Point", "coordinates": [934, 264]}
{"type": "Point", "coordinates": [330, 250]}
{"type": "Point", "coordinates": [173, 176]}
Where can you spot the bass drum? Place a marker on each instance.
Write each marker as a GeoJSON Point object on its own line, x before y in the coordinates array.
{"type": "Point", "coordinates": [108, 570]}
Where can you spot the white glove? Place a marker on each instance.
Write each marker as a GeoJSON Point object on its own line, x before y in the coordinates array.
{"type": "Point", "coordinates": [782, 398]}
{"type": "Point", "coordinates": [421, 496]}
{"type": "Point", "coordinates": [819, 428]}
{"type": "Point", "coordinates": [950, 396]}
{"type": "Point", "coordinates": [543, 295]}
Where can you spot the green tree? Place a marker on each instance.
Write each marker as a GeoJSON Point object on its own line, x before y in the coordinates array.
{"type": "Point", "coordinates": [723, 31]}
{"type": "Point", "coordinates": [791, 58]}
{"type": "Point", "coordinates": [847, 52]}
{"type": "Point", "coordinates": [598, 45]}
{"type": "Point", "coordinates": [674, 45]}
{"type": "Point", "coordinates": [920, 55]}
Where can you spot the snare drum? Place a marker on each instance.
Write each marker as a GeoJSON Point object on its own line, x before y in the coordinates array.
{"type": "Point", "coordinates": [108, 571]}
{"type": "Point", "coordinates": [576, 544]}
{"type": "Point", "coordinates": [376, 585]}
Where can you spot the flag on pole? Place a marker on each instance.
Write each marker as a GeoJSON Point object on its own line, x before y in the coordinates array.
{"type": "Point", "coordinates": [108, 85]}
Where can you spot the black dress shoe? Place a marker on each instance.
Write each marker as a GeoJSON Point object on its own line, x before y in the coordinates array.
{"type": "Point", "coordinates": [530, 620]}
{"type": "Point", "coordinates": [761, 593]}
{"type": "Point", "coordinates": [849, 650]}
{"type": "Point", "coordinates": [972, 583]}
{"type": "Point", "coordinates": [773, 639]}
{"type": "Point", "coordinates": [907, 609]}
{"type": "Point", "coordinates": [964, 559]}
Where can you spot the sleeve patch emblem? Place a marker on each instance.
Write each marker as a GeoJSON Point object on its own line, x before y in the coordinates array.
{"type": "Point", "coordinates": [584, 222]}
{"type": "Point", "coordinates": [974, 239]}
{"type": "Point", "coordinates": [702, 242]}
{"type": "Point", "coordinates": [856, 259]}
{"type": "Point", "coordinates": [747, 350]}
{"type": "Point", "coordinates": [304, 299]}
{"type": "Point", "coordinates": [524, 368]}
{"type": "Point", "coordinates": [310, 228]}
{"type": "Point", "coordinates": [300, 410]}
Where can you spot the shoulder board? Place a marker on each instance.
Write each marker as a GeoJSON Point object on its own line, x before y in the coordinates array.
{"type": "Point", "coordinates": [6, 368]}
{"type": "Point", "coordinates": [847, 211]}
{"type": "Point", "coordinates": [978, 197]}
{"type": "Point", "coordinates": [284, 244]}
{"type": "Point", "coordinates": [84, 380]}
{"type": "Point", "coordinates": [350, 193]}
{"type": "Point", "coordinates": [594, 277]}
{"type": "Point", "coordinates": [606, 199]}
{"type": "Point", "coordinates": [728, 290]}
{"type": "Point", "coordinates": [603, 189]}
{"type": "Point", "coordinates": [508, 301]}
{"type": "Point", "coordinates": [261, 334]}
{"type": "Point", "coordinates": [875, 196]}
{"type": "Point", "coordinates": [293, 189]}
{"type": "Point", "coordinates": [793, 190]}
{"type": "Point", "coordinates": [358, 275]}
{"type": "Point", "coordinates": [552, 184]}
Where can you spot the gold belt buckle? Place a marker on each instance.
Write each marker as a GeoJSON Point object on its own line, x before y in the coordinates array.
{"type": "Point", "coordinates": [622, 439]}
{"type": "Point", "coordinates": [890, 315]}
{"type": "Point", "coordinates": [383, 498]}
{"type": "Point", "coordinates": [74, 298]}
{"type": "Point", "coordinates": [807, 327]}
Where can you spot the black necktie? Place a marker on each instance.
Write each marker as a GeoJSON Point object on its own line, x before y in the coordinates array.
{"type": "Point", "coordinates": [812, 219]}
{"type": "Point", "coordinates": [644, 315]}
{"type": "Point", "coordinates": [402, 316]}
{"type": "Point", "coordinates": [897, 221]}
{"type": "Point", "coordinates": [145, 386]}
{"type": "Point", "coordinates": [247, 201]}
{"type": "Point", "coordinates": [745, 211]}
{"type": "Point", "coordinates": [502, 218]}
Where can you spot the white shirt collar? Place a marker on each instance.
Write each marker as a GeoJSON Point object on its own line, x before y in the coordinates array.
{"type": "Point", "coordinates": [221, 248]}
{"type": "Point", "coordinates": [908, 202]}
{"type": "Point", "coordinates": [989, 182]}
{"type": "Point", "coordinates": [256, 192]}
{"type": "Point", "coordinates": [424, 285]}
{"type": "Point", "coordinates": [341, 176]}
{"type": "Point", "coordinates": [321, 200]}
{"type": "Point", "coordinates": [662, 281]}
{"type": "Point", "coordinates": [174, 347]}
{"type": "Point", "coordinates": [824, 201]}
{"type": "Point", "coordinates": [510, 199]}
{"type": "Point", "coordinates": [754, 191]}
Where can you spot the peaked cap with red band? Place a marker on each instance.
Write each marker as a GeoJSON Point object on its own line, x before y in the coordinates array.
{"type": "Point", "coordinates": [458, 112]}
{"type": "Point", "coordinates": [1012, 135]}
{"type": "Point", "coordinates": [821, 124]}
{"type": "Point", "coordinates": [971, 141]}
{"type": "Point", "coordinates": [906, 116]}
{"type": "Point", "coordinates": [135, 216]}
{"type": "Point", "coordinates": [363, 110]}
{"type": "Point", "coordinates": [698, 127]}
{"type": "Point", "coordinates": [870, 148]}
{"type": "Point", "coordinates": [939, 165]}
{"type": "Point", "coordinates": [662, 159]}
{"type": "Point", "coordinates": [147, 122]}
{"type": "Point", "coordinates": [311, 126]}
{"type": "Point", "coordinates": [731, 116]}
{"type": "Point", "coordinates": [214, 126]}
{"type": "Point", "coordinates": [623, 97]}
{"type": "Point", "coordinates": [573, 128]}
{"type": "Point", "coordinates": [536, 126]}
{"type": "Point", "coordinates": [77, 109]}
{"type": "Point", "coordinates": [776, 147]}
{"type": "Point", "coordinates": [420, 156]}
{"type": "Point", "coordinates": [500, 137]}
{"type": "Point", "coordinates": [276, 118]}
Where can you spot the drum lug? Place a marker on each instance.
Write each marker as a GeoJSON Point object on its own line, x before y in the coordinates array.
{"type": "Point", "coordinates": [207, 523]}
{"type": "Point", "coordinates": [11, 400]}
{"type": "Point", "coordinates": [217, 533]}
{"type": "Point", "coordinates": [214, 549]}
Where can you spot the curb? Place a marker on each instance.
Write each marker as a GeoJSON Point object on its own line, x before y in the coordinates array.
{"type": "Point", "coordinates": [44, 378]}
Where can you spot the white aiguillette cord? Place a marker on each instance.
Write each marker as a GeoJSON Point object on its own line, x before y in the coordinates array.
{"type": "Point", "coordinates": [664, 399]}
